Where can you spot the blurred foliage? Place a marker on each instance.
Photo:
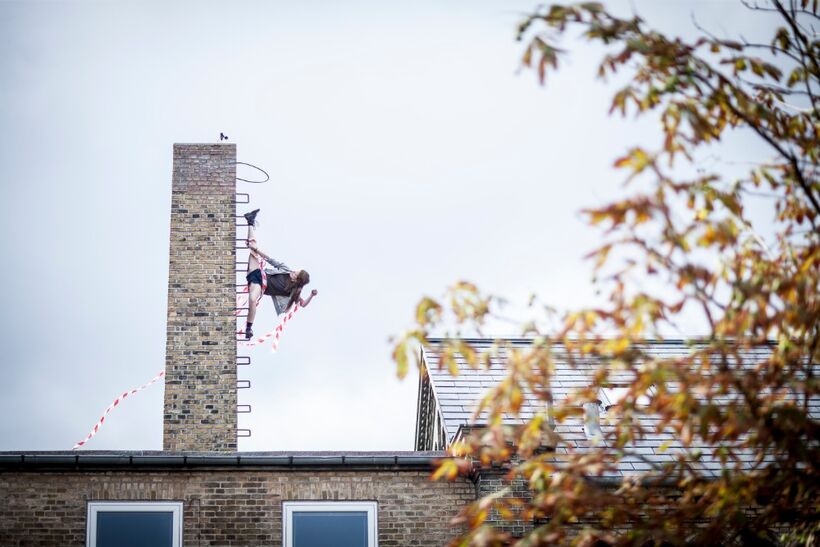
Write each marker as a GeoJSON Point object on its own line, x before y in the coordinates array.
{"type": "Point", "coordinates": [692, 236]}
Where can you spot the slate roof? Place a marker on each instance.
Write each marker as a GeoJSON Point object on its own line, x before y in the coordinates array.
{"type": "Point", "coordinates": [456, 397]}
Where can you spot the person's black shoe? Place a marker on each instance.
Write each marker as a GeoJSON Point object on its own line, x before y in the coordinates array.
{"type": "Point", "coordinates": [251, 217]}
{"type": "Point", "coordinates": [248, 333]}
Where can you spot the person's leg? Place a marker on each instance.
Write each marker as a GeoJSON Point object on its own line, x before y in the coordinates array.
{"type": "Point", "coordinates": [254, 289]}
{"type": "Point", "coordinates": [253, 262]}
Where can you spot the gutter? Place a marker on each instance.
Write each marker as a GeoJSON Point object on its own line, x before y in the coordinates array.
{"type": "Point", "coordinates": [70, 461]}
{"type": "Point", "coordinates": [318, 461]}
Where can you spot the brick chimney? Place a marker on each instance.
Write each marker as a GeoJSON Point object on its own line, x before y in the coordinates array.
{"type": "Point", "coordinates": [200, 353]}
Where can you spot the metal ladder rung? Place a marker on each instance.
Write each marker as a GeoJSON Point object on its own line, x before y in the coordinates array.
{"type": "Point", "coordinates": [243, 433]}
{"type": "Point", "coordinates": [243, 409]}
{"type": "Point", "coordinates": [243, 384]}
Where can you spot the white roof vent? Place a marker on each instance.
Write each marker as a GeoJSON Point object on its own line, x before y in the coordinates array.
{"type": "Point", "coordinates": [592, 423]}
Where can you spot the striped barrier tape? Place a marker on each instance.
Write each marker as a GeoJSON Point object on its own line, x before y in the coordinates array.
{"type": "Point", "coordinates": [114, 405]}
{"type": "Point", "coordinates": [276, 333]}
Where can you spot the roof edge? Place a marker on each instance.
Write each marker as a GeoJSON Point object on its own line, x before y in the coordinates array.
{"type": "Point", "coordinates": [435, 397]}
{"type": "Point", "coordinates": [73, 461]}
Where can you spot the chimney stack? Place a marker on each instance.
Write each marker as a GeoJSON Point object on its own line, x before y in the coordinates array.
{"type": "Point", "coordinates": [200, 353]}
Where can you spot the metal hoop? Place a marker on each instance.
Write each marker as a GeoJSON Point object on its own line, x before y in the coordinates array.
{"type": "Point", "coordinates": [267, 177]}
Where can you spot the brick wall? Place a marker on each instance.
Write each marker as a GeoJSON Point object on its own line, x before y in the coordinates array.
{"type": "Point", "coordinates": [490, 481]}
{"type": "Point", "coordinates": [200, 362]}
{"type": "Point", "coordinates": [229, 506]}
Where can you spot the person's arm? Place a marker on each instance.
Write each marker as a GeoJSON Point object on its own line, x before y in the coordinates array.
{"type": "Point", "coordinates": [303, 303]}
{"type": "Point", "coordinates": [269, 260]}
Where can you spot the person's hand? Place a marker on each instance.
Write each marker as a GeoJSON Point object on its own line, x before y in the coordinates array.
{"type": "Point", "coordinates": [314, 292]}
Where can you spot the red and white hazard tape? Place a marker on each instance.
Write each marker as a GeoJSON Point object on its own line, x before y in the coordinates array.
{"type": "Point", "coordinates": [276, 333]}
{"type": "Point", "coordinates": [113, 405]}
{"type": "Point", "coordinates": [242, 301]}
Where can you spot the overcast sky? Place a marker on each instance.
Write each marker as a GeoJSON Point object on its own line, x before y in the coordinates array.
{"type": "Point", "coordinates": [406, 151]}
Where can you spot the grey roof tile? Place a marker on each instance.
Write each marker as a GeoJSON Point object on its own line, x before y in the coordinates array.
{"type": "Point", "coordinates": [458, 396]}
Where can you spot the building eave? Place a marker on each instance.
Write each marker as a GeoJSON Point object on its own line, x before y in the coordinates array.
{"type": "Point", "coordinates": [88, 460]}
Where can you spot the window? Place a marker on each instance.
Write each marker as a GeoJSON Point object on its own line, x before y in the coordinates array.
{"type": "Point", "coordinates": [323, 523]}
{"type": "Point", "coordinates": [134, 524]}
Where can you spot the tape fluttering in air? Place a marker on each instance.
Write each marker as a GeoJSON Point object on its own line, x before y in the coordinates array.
{"type": "Point", "coordinates": [115, 404]}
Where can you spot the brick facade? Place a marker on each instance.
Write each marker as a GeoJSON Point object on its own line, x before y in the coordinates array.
{"type": "Point", "coordinates": [200, 363]}
{"type": "Point", "coordinates": [491, 480]}
{"type": "Point", "coordinates": [228, 506]}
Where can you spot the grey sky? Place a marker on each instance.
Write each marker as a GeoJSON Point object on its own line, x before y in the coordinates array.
{"type": "Point", "coordinates": [405, 152]}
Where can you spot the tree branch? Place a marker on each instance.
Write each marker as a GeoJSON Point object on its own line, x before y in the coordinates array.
{"type": "Point", "coordinates": [757, 7]}
{"type": "Point", "coordinates": [768, 138]}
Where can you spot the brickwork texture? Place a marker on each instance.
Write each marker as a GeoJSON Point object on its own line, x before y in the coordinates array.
{"type": "Point", "coordinates": [200, 355]}
{"type": "Point", "coordinates": [228, 507]}
{"type": "Point", "coordinates": [490, 481]}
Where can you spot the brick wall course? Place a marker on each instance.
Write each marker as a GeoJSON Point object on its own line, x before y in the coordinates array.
{"type": "Point", "coordinates": [490, 481]}
{"type": "Point", "coordinates": [228, 507]}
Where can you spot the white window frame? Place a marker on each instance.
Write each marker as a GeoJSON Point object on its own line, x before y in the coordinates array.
{"type": "Point", "coordinates": [370, 507]}
{"type": "Point", "coordinates": [173, 507]}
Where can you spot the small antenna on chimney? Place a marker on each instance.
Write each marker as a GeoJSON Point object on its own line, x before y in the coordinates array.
{"type": "Point", "coordinates": [223, 136]}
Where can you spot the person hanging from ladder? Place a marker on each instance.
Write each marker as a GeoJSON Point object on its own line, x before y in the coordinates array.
{"type": "Point", "coordinates": [282, 284]}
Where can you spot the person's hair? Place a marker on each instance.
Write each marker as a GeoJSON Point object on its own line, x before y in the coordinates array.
{"type": "Point", "coordinates": [302, 279]}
